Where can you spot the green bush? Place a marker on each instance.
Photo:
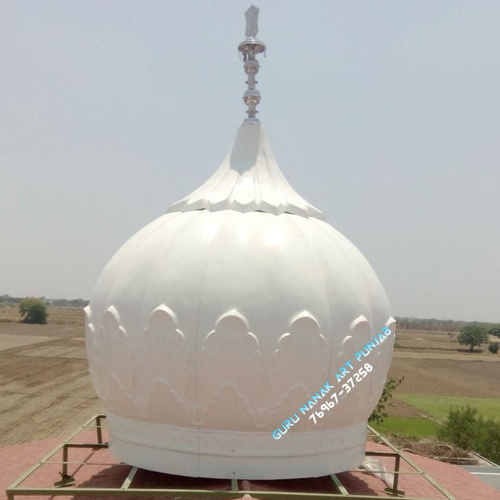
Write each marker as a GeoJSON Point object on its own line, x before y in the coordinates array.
{"type": "Point", "coordinates": [463, 428]}
{"type": "Point", "coordinates": [460, 427]}
{"type": "Point", "coordinates": [493, 347]}
{"type": "Point", "coordinates": [33, 310]}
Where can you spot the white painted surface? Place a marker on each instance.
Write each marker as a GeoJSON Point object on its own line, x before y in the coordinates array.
{"type": "Point", "coordinates": [218, 320]}
{"type": "Point", "coordinates": [248, 180]}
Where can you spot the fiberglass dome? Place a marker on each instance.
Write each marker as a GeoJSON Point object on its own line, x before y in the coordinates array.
{"type": "Point", "coordinates": [215, 323]}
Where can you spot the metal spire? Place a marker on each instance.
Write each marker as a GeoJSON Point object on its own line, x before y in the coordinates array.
{"type": "Point", "coordinates": [250, 48]}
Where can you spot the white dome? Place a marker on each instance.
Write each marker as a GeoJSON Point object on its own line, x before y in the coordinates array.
{"type": "Point", "coordinates": [217, 321]}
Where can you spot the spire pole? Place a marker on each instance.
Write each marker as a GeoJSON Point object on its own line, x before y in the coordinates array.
{"type": "Point", "coordinates": [249, 48]}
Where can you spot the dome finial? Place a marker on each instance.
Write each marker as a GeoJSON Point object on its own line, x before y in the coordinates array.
{"type": "Point", "coordinates": [250, 48]}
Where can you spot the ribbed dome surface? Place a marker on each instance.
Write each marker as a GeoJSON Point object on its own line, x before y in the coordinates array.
{"type": "Point", "coordinates": [213, 324]}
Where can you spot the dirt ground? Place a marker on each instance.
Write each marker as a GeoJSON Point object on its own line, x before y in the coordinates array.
{"type": "Point", "coordinates": [433, 363]}
{"type": "Point", "coordinates": [45, 389]}
{"type": "Point", "coordinates": [440, 343]}
{"type": "Point", "coordinates": [447, 377]}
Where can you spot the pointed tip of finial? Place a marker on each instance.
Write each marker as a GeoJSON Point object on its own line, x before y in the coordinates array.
{"type": "Point", "coordinates": [250, 48]}
{"type": "Point", "coordinates": [252, 16]}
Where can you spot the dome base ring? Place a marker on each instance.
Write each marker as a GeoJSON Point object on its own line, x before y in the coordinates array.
{"type": "Point", "coordinates": [219, 454]}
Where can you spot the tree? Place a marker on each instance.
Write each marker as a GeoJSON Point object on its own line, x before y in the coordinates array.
{"type": "Point", "coordinates": [472, 335]}
{"type": "Point", "coordinates": [493, 347]}
{"type": "Point", "coordinates": [33, 310]}
{"type": "Point", "coordinates": [495, 331]}
{"type": "Point", "coordinates": [379, 414]}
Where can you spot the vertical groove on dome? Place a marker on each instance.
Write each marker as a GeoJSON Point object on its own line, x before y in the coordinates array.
{"type": "Point", "coordinates": [362, 275]}
{"type": "Point", "coordinates": [139, 239]}
{"type": "Point", "coordinates": [314, 252]}
{"type": "Point", "coordinates": [197, 343]}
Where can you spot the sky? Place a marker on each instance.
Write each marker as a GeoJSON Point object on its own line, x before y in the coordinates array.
{"type": "Point", "coordinates": [383, 114]}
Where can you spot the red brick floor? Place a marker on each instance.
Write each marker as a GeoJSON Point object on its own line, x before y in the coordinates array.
{"type": "Point", "coordinates": [16, 459]}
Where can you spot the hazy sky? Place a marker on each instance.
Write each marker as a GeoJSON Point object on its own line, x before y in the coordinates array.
{"type": "Point", "coordinates": [383, 114]}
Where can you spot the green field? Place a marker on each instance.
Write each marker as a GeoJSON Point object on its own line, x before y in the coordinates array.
{"type": "Point", "coordinates": [435, 407]}
{"type": "Point", "coordinates": [419, 427]}
{"type": "Point", "coordinates": [438, 406]}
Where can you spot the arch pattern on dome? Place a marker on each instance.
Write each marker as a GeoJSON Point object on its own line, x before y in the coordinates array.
{"type": "Point", "coordinates": [115, 363]}
{"type": "Point", "coordinates": [391, 324]}
{"type": "Point", "coordinates": [382, 357]}
{"type": "Point", "coordinates": [360, 325]}
{"type": "Point", "coordinates": [360, 331]}
{"type": "Point", "coordinates": [147, 377]}
{"type": "Point", "coordinates": [165, 366]}
{"type": "Point", "coordinates": [106, 346]}
{"type": "Point", "coordinates": [152, 376]}
{"type": "Point", "coordinates": [291, 368]}
{"type": "Point", "coordinates": [230, 362]}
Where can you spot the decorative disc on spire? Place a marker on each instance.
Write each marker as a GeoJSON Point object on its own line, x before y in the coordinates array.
{"type": "Point", "coordinates": [250, 48]}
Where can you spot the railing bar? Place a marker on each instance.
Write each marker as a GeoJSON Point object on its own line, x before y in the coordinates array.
{"type": "Point", "coordinates": [448, 495]}
{"type": "Point", "coordinates": [129, 478]}
{"type": "Point", "coordinates": [153, 493]}
{"type": "Point", "coordinates": [361, 471]}
{"type": "Point", "coordinates": [365, 471]}
{"type": "Point", "coordinates": [87, 445]}
{"type": "Point", "coordinates": [339, 485]}
{"type": "Point", "coordinates": [13, 489]}
{"type": "Point", "coordinates": [86, 463]}
{"type": "Point", "coordinates": [98, 428]}
{"type": "Point", "coordinates": [50, 454]}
